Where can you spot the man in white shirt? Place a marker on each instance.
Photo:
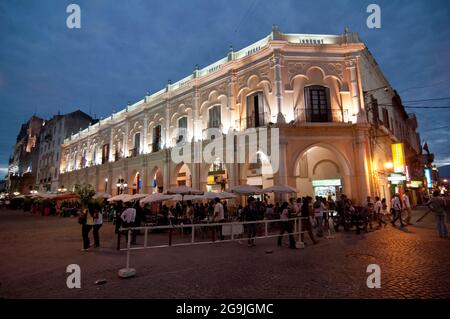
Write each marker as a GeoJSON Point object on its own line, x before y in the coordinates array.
{"type": "Point", "coordinates": [219, 216]}
{"type": "Point", "coordinates": [378, 208]}
{"type": "Point", "coordinates": [407, 207]}
{"type": "Point", "coordinates": [397, 207]}
{"type": "Point", "coordinates": [128, 216]}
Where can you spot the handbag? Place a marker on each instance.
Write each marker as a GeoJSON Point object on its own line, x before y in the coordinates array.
{"type": "Point", "coordinates": [82, 219]}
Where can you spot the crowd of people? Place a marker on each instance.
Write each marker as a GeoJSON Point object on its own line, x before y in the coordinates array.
{"type": "Point", "coordinates": [320, 216]}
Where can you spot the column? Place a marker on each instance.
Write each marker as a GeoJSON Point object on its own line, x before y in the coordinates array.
{"type": "Point", "coordinates": [168, 142]}
{"type": "Point", "coordinates": [197, 123]}
{"type": "Point", "coordinates": [276, 63]}
{"type": "Point", "coordinates": [111, 142]}
{"type": "Point", "coordinates": [125, 140]}
{"type": "Point", "coordinates": [282, 173]}
{"type": "Point", "coordinates": [362, 167]}
{"type": "Point", "coordinates": [354, 90]}
{"type": "Point", "coordinates": [144, 148]}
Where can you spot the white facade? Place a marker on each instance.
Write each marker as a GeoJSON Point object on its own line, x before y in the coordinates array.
{"type": "Point", "coordinates": [312, 87]}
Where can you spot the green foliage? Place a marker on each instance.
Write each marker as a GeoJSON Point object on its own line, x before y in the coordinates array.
{"type": "Point", "coordinates": [86, 192]}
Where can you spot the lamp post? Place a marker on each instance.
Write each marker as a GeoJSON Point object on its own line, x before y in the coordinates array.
{"type": "Point", "coordinates": [121, 185]}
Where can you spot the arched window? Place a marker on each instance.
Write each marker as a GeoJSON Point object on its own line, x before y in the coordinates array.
{"type": "Point", "coordinates": [214, 118]}
{"type": "Point", "coordinates": [137, 144]}
{"type": "Point", "coordinates": [317, 101]}
{"type": "Point", "coordinates": [156, 146]}
{"type": "Point", "coordinates": [182, 129]}
{"type": "Point", "coordinates": [256, 115]}
{"type": "Point", "coordinates": [105, 153]}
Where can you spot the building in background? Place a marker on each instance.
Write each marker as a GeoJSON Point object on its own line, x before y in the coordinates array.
{"type": "Point", "coordinates": [52, 135]}
{"type": "Point", "coordinates": [23, 162]}
{"type": "Point", "coordinates": [337, 116]}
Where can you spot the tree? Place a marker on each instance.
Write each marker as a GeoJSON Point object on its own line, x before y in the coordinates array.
{"type": "Point", "coordinates": [86, 192]}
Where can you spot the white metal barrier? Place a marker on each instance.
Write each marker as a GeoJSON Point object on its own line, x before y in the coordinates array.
{"type": "Point", "coordinates": [231, 230]}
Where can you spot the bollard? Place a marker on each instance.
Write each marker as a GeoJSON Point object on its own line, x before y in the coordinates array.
{"type": "Point", "coordinates": [128, 272]}
{"type": "Point", "coordinates": [300, 243]}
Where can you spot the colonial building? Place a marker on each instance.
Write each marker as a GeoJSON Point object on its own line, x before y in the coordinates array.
{"type": "Point", "coordinates": [52, 135]}
{"type": "Point", "coordinates": [336, 113]}
{"type": "Point", "coordinates": [23, 162]}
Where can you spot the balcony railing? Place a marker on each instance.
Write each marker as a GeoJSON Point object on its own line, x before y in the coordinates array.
{"type": "Point", "coordinates": [134, 152]}
{"type": "Point", "coordinates": [329, 115]}
{"type": "Point", "coordinates": [257, 120]}
{"type": "Point", "coordinates": [155, 146]}
{"type": "Point", "coordinates": [214, 124]}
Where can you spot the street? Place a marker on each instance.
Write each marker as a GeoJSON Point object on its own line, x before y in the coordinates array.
{"type": "Point", "coordinates": [36, 250]}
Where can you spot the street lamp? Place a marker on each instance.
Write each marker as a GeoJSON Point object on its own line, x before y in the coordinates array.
{"type": "Point", "coordinates": [388, 165]}
{"type": "Point", "coordinates": [62, 189]}
{"type": "Point", "coordinates": [121, 185]}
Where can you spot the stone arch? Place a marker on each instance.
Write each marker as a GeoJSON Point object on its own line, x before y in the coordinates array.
{"type": "Point", "coordinates": [157, 175]}
{"type": "Point", "coordinates": [321, 162]}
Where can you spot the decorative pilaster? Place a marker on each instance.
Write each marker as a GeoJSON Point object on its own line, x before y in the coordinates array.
{"type": "Point", "coordinates": [276, 62]}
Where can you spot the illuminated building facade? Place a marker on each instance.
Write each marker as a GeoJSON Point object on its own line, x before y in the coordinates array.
{"type": "Point", "coordinates": [336, 113]}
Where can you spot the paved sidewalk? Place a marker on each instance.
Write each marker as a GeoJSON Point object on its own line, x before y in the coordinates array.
{"type": "Point", "coordinates": [36, 250]}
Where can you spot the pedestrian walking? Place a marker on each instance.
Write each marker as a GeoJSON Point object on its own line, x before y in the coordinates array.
{"type": "Point", "coordinates": [438, 206]}
{"type": "Point", "coordinates": [407, 207]}
{"type": "Point", "coordinates": [87, 222]}
{"type": "Point", "coordinates": [319, 210]}
{"type": "Point", "coordinates": [128, 218]}
{"type": "Point", "coordinates": [251, 215]}
{"type": "Point", "coordinates": [286, 226]}
{"type": "Point", "coordinates": [306, 221]}
{"type": "Point", "coordinates": [219, 217]}
{"type": "Point", "coordinates": [98, 222]}
{"type": "Point", "coordinates": [396, 207]}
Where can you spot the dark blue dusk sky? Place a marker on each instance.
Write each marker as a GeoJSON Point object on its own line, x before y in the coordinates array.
{"type": "Point", "coordinates": [125, 49]}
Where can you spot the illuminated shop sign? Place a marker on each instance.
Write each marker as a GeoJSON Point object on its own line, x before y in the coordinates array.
{"type": "Point", "coordinates": [398, 157]}
{"type": "Point", "coordinates": [326, 182]}
{"type": "Point", "coordinates": [415, 184]}
{"type": "Point", "coordinates": [396, 178]}
{"type": "Point", "coordinates": [428, 177]}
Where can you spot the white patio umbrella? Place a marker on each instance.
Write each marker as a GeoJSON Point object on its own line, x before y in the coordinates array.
{"type": "Point", "coordinates": [227, 195]}
{"type": "Point", "coordinates": [155, 198]}
{"type": "Point", "coordinates": [102, 195]}
{"type": "Point", "coordinates": [280, 189]}
{"type": "Point", "coordinates": [184, 190]}
{"type": "Point", "coordinates": [246, 190]}
{"type": "Point", "coordinates": [135, 197]}
{"type": "Point", "coordinates": [213, 195]}
{"type": "Point", "coordinates": [117, 198]}
{"type": "Point", "coordinates": [193, 198]}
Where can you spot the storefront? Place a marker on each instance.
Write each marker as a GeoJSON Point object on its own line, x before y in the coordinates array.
{"type": "Point", "coordinates": [327, 187]}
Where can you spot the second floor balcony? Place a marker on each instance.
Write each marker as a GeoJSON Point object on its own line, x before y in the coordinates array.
{"type": "Point", "coordinates": [256, 120]}
{"type": "Point", "coordinates": [325, 115]}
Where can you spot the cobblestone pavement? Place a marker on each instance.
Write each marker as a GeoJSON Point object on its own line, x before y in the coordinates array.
{"type": "Point", "coordinates": [36, 250]}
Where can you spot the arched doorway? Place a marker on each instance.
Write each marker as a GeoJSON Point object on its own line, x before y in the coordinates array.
{"type": "Point", "coordinates": [217, 177]}
{"type": "Point", "coordinates": [157, 180]}
{"type": "Point", "coordinates": [184, 176]}
{"type": "Point", "coordinates": [321, 171]}
{"type": "Point", "coordinates": [136, 186]}
{"type": "Point", "coordinates": [260, 173]}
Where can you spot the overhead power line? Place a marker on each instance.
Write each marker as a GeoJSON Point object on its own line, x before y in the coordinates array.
{"type": "Point", "coordinates": [425, 100]}
{"type": "Point", "coordinates": [425, 86]}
